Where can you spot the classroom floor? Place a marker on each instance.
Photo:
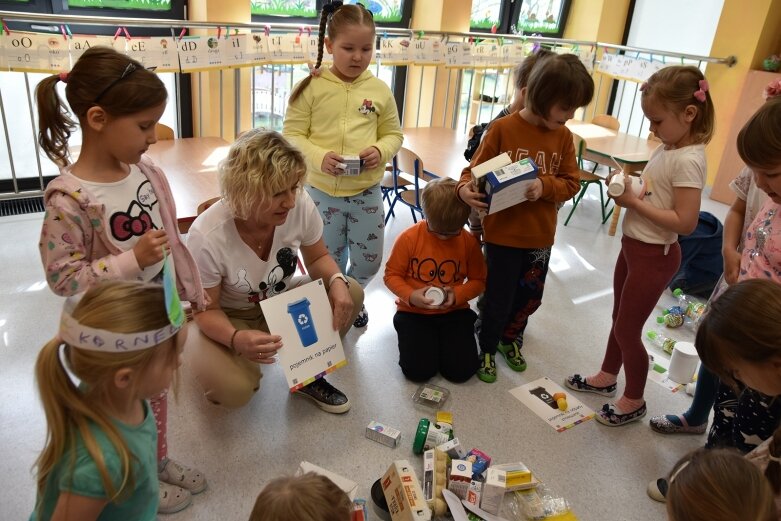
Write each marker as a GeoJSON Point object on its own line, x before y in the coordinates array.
{"type": "Point", "coordinates": [601, 471]}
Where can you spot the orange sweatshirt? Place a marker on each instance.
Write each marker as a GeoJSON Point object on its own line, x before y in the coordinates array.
{"type": "Point", "coordinates": [419, 259]}
{"type": "Point", "coordinates": [531, 224]}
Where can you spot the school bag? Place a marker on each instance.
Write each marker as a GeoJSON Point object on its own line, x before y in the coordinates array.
{"type": "Point", "coordinates": [701, 261]}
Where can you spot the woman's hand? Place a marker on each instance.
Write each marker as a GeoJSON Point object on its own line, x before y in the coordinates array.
{"type": "Point", "coordinates": [256, 346]}
{"type": "Point", "coordinates": [371, 157]}
{"type": "Point", "coordinates": [341, 303]}
{"type": "Point", "coordinates": [332, 164]}
{"type": "Point", "coordinates": [472, 197]}
{"type": "Point", "coordinates": [149, 248]}
{"type": "Point", "coordinates": [731, 266]}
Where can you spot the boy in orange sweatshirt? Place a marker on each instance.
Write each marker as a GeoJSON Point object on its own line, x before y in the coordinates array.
{"type": "Point", "coordinates": [518, 240]}
{"type": "Point", "coordinates": [436, 327]}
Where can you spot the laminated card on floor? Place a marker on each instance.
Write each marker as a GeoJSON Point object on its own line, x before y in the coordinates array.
{"type": "Point", "coordinates": [539, 397]}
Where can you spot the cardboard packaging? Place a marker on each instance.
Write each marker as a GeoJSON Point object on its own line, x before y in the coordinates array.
{"type": "Point", "coordinates": [460, 477]}
{"type": "Point", "coordinates": [473, 494]}
{"type": "Point", "coordinates": [351, 165]}
{"type": "Point", "coordinates": [503, 181]}
{"type": "Point", "coordinates": [493, 491]}
{"type": "Point", "coordinates": [402, 491]}
{"type": "Point", "coordinates": [382, 433]}
{"type": "Point", "coordinates": [350, 487]}
{"type": "Point", "coordinates": [517, 476]}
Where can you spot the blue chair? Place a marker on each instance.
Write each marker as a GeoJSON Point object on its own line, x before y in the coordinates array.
{"type": "Point", "coordinates": [409, 178]}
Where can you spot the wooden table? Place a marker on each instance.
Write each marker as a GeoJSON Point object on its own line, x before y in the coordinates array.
{"type": "Point", "coordinates": [440, 149]}
{"type": "Point", "coordinates": [190, 164]}
{"type": "Point", "coordinates": [630, 153]}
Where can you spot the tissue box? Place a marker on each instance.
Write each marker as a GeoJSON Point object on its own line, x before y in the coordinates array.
{"type": "Point", "coordinates": [402, 491]}
{"type": "Point", "coordinates": [503, 181]}
{"type": "Point", "coordinates": [350, 487]}
{"type": "Point", "coordinates": [381, 433]}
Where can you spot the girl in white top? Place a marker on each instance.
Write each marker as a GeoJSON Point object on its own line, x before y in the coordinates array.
{"type": "Point", "coordinates": [677, 103]}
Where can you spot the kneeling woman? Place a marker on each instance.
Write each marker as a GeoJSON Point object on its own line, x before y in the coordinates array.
{"type": "Point", "coordinates": [246, 246]}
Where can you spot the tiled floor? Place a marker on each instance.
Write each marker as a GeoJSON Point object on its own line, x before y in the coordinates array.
{"type": "Point", "coordinates": [602, 471]}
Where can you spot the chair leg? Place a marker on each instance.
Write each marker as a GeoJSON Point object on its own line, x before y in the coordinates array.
{"type": "Point", "coordinates": [602, 200]}
{"type": "Point", "coordinates": [414, 218]}
{"type": "Point", "coordinates": [386, 197]}
{"type": "Point", "coordinates": [390, 209]}
{"type": "Point", "coordinates": [576, 201]}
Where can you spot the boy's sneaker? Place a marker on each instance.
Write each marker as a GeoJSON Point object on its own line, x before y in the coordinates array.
{"type": "Point", "coordinates": [657, 490]}
{"type": "Point", "coordinates": [173, 498]}
{"type": "Point", "coordinates": [487, 370]}
{"type": "Point", "coordinates": [512, 355]}
{"type": "Point", "coordinates": [326, 396]}
{"type": "Point", "coordinates": [174, 473]}
{"type": "Point", "coordinates": [362, 319]}
{"type": "Point", "coordinates": [578, 383]}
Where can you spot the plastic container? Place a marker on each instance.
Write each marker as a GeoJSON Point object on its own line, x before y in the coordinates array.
{"type": "Point", "coordinates": [435, 294]}
{"type": "Point", "coordinates": [683, 363]}
{"type": "Point", "coordinates": [666, 344]}
{"type": "Point", "coordinates": [618, 185]}
{"type": "Point", "coordinates": [692, 308]}
{"type": "Point", "coordinates": [430, 435]}
{"type": "Point", "coordinates": [431, 396]}
{"type": "Point", "coordinates": [302, 319]}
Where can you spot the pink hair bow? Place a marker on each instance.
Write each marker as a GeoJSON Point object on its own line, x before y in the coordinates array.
{"type": "Point", "coordinates": [772, 90]}
{"type": "Point", "coordinates": [643, 86]}
{"type": "Point", "coordinates": [315, 73]}
{"type": "Point", "coordinates": [63, 77]}
{"type": "Point", "coordinates": [700, 94]}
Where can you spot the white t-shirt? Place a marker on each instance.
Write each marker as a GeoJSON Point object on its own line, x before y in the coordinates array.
{"type": "Point", "coordinates": [746, 189]}
{"type": "Point", "coordinates": [225, 260]}
{"type": "Point", "coordinates": [131, 210]}
{"type": "Point", "coordinates": [666, 170]}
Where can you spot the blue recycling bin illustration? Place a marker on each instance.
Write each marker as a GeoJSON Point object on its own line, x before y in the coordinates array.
{"type": "Point", "coordinates": [302, 319]}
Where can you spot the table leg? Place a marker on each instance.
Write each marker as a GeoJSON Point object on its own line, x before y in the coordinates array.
{"type": "Point", "coordinates": [614, 220]}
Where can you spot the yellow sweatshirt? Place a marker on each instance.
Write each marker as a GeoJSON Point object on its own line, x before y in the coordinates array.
{"type": "Point", "coordinates": [331, 115]}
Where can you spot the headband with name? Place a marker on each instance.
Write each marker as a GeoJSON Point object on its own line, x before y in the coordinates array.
{"type": "Point", "coordinates": [78, 335]}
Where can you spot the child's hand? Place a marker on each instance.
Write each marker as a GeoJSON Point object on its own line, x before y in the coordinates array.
{"type": "Point", "coordinates": [332, 164]}
{"type": "Point", "coordinates": [371, 158]}
{"type": "Point", "coordinates": [731, 266]}
{"type": "Point", "coordinates": [417, 299]}
{"type": "Point", "coordinates": [472, 197]}
{"type": "Point", "coordinates": [450, 297]}
{"type": "Point", "coordinates": [628, 199]}
{"type": "Point", "coordinates": [534, 191]}
{"type": "Point", "coordinates": [149, 248]}
{"type": "Point", "coordinates": [257, 346]}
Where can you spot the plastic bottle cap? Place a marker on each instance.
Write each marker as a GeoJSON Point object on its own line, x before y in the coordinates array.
{"type": "Point", "coordinates": [678, 292]}
{"type": "Point", "coordinates": [652, 334]}
{"type": "Point", "coordinates": [660, 320]}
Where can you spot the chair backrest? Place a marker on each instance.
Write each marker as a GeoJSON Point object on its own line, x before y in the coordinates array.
{"type": "Point", "coordinates": [163, 132]}
{"type": "Point", "coordinates": [607, 121]}
{"type": "Point", "coordinates": [409, 162]}
{"type": "Point", "coordinates": [205, 205]}
{"type": "Point", "coordinates": [653, 137]}
{"type": "Point", "coordinates": [580, 146]}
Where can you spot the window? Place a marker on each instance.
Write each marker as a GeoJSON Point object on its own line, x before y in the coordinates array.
{"type": "Point", "coordinates": [384, 11]}
{"type": "Point", "coordinates": [295, 8]}
{"type": "Point", "coordinates": [389, 13]}
{"type": "Point", "coordinates": [485, 14]}
{"type": "Point", "coordinates": [144, 5]}
{"type": "Point", "coordinates": [545, 17]}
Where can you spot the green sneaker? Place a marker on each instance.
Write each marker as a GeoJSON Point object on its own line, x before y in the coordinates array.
{"type": "Point", "coordinates": [487, 370]}
{"type": "Point", "coordinates": [512, 354]}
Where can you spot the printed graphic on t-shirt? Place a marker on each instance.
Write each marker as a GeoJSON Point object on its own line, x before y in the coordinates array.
{"type": "Point", "coordinates": [545, 166]}
{"type": "Point", "coordinates": [428, 270]}
{"type": "Point", "coordinates": [136, 221]}
{"type": "Point", "coordinates": [277, 279]}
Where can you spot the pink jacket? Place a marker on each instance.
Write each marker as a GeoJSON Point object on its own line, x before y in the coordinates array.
{"type": "Point", "coordinates": [75, 247]}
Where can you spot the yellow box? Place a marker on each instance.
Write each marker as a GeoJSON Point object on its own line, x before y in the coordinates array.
{"type": "Point", "coordinates": [516, 475]}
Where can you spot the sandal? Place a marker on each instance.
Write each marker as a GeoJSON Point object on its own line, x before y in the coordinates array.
{"type": "Point", "coordinates": [173, 498]}
{"type": "Point", "coordinates": [578, 383]}
{"type": "Point", "coordinates": [663, 425]}
{"type": "Point", "coordinates": [608, 415]}
{"type": "Point", "coordinates": [174, 473]}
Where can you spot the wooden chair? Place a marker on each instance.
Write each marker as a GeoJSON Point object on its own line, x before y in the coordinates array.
{"type": "Point", "coordinates": [387, 186]}
{"type": "Point", "coordinates": [164, 132]}
{"type": "Point", "coordinates": [409, 178]}
{"type": "Point", "coordinates": [587, 179]}
{"type": "Point", "coordinates": [607, 121]}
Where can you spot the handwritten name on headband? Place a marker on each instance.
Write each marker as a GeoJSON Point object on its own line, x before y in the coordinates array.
{"type": "Point", "coordinates": [79, 335]}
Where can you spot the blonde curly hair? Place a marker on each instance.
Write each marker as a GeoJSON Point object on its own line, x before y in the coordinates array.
{"type": "Point", "coordinates": [260, 163]}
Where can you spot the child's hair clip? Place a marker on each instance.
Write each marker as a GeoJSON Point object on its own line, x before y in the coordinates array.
{"type": "Point", "coordinates": [643, 86]}
{"type": "Point", "coordinates": [700, 93]}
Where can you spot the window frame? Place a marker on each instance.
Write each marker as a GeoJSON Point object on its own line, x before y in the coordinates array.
{"type": "Point", "coordinates": [563, 16]}
{"type": "Point", "coordinates": [406, 17]}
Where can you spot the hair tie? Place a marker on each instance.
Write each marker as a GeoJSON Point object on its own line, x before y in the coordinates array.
{"type": "Point", "coordinates": [770, 457]}
{"type": "Point", "coordinates": [63, 77]}
{"type": "Point", "coordinates": [313, 72]}
{"type": "Point", "coordinates": [331, 7]}
{"type": "Point", "coordinates": [700, 93]}
{"type": "Point", "coordinates": [644, 86]}
{"type": "Point", "coordinates": [772, 90]}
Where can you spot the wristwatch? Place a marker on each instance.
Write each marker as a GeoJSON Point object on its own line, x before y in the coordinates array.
{"type": "Point", "coordinates": [338, 276]}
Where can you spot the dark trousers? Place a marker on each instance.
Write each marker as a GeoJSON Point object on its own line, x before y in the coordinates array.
{"type": "Point", "coordinates": [431, 344]}
{"type": "Point", "coordinates": [743, 420]}
{"type": "Point", "coordinates": [513, 291]}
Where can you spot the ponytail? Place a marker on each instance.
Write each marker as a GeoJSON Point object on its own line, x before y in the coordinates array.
{"type": "Point", "coordinates": [324, 14]}
{"type": "Point", "coordinates": [773, 470]}
{"type": "Point", "coordinates": [54, 125]}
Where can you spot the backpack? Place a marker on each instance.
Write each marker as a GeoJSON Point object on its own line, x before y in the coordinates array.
{"type": "Point", "coordinates": [474, 141]}
{"type": "Point", "coordinates": [701, 261]}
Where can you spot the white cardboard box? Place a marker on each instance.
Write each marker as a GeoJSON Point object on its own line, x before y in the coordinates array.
{"type": "Point", "coordinates": [503, 181]}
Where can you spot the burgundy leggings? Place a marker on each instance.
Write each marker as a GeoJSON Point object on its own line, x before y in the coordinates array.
{"type": "Point", "coordinates": [642, 273]}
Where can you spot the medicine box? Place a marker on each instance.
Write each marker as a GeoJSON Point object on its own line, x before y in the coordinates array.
{"type": "Point", "coordinates": [429, 475]}
{"type": "Point", "coordinates": [473, 494]}
{"type": "Point", "coordinates": [517, 476]}
{"type": "Point", "coordinates": [460, 477]}
{"type": "Point", "coordinates": [352, 165]}
{"type": "Point", "coordinates": [382, 433]}
{"type": "Point", "coordinates": [454, 449]}
{"type": "Point", "coordinates": [403, 494]}
{"type": "Point", "coordinates": [493, 491]}
{"type": "Point", "coordinates": [503, 181]}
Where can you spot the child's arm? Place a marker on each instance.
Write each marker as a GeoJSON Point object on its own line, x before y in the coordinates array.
{"type": "Point", "coordinates": [564, 184]}
{"type": "Point", "coordinates": [475, 273]}
{"type": "Point", "coordinates": [64, 252]}
{"type": "Point", "coordinates": [733, 229]}
{"type": "Point", "coordinates": [72, 507]}
{"type": "Point", "coordinates": [297, 125]}
{"type": "Point", "coordinates": [681, 219]}
{"type": "Point", "coordinates": [466, 190]}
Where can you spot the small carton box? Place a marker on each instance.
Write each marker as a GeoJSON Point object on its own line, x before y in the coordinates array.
{"type": "Point", "coordinates": [350, 487]}
{"type": "Point", "coordinates": [493, 491]}
{"type": "Point", "coordinates": [517, 476]}
{"type": "Point", "coordinates": [382, 433]}
{"type": "Point", "coordinates": [352, 165]}
{"type": "Point", "coordinates": [429, 475]}
{"type": "Point", "coordinates": [473, 494]}
{"type": "Point", "coordinates": [402, 491]}
{"type": "Point", "coordinates": [453, 448]}
{"type": "Point", "coordinates": [460, 477]}
{"type": "Point", "coordinates": [503, 181]}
